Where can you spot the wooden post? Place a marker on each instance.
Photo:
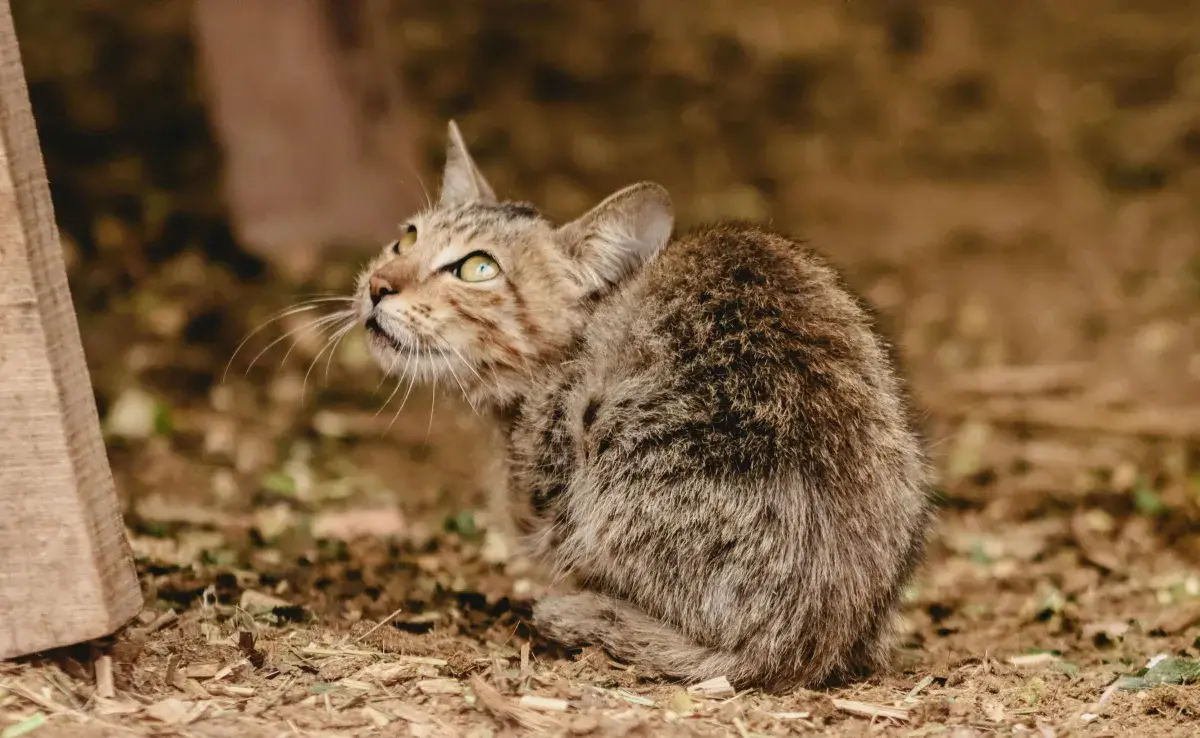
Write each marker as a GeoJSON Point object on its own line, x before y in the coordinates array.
{"type": "Point", "coordinates": [306, 105]}
{"type": "Point", "coordinates": [66, 571]}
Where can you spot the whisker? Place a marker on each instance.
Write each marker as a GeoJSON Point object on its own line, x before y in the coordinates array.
{"type": "Point", "coordinates": [467, 364]}
{"type": "Point", "coordinates": [463, 389]}
{"type": "Point", "coordinates": [443, 342]}
{"type": "Point", "coordinates": [335, 337]}
{"type": "Point", "coordinates": [432, 404]}
{"type": "Point", "coordinates": [399, 381]}
{"type": "Point", "coordinates": [295, 310]}
{"type": "Point", "coordinates": [323, 328]}
{"type": "Point", "coordinates": [324, 320]}
{"type": "Point", "coordinates": [327, 293]}
{"type": "Point", "coordinates": [300, 307]}
{"type": "Point", "coordinates": [412, 382]}
{"type": "Point", "coordinates": [387, 375]}
{"type": "Point", "coordinates": [329, 360]}
{"type": "Point", "coordinates": [417, 175]}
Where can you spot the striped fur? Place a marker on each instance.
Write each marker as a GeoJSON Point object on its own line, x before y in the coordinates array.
{"type": "Point", "coordinates": [704, 435]}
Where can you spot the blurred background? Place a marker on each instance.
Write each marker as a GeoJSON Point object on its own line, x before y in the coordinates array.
{"type": "Point", "coordinates": [1016, 186]}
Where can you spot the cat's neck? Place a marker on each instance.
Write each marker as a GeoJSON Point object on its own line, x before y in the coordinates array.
{"type": "Point", "coordinates": [502, 393]}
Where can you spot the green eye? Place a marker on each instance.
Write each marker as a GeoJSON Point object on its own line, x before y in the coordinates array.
{"type": "Point", "coordinates": [477, 268]}
{"type": "Point", "coordinates": [408, 239]}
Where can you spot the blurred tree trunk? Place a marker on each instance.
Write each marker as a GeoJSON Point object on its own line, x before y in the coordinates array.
{"type": "Point", "coordinates": [305, 101]}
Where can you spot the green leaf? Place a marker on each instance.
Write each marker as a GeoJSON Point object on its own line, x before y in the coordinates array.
{"type": "Point", "coordinates": [279, 482]}
{"type": "Point", "coordinates": [463, 524]}
{"type": "Point", "coordinates": [1167, 671]}
{"type": "Point", "coordinates": [26, 726]}
{"type": "Point", "coordinates": [163, 425]}
{"type": "Point", "coordinates": [1147, 500]}
{"type": "Point", "coordinates": [979, 554]}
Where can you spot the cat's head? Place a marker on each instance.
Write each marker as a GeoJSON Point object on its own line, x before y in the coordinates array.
{"type": "Point", "coordinates": [477, 292]}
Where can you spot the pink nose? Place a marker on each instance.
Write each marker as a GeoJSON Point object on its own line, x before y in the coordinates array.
{"type": "Point", "coordinates": [380, 288]}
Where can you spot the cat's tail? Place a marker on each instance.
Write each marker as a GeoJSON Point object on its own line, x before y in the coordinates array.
{"type": "Point", "coordinates": [627, 633]}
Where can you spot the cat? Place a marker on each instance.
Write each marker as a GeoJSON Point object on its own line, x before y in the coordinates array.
{"type": "Point", "coordinates": [704, 436]}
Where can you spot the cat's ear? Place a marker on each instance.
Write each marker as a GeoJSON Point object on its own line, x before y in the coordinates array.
{"type": "Point", "coordinates": [614, 239]}
{"type": "Point", "coordinates": [461, 180]}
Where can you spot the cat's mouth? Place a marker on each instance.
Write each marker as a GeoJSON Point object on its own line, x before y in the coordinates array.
{"type": "Point", "coordinates": [376, 332]}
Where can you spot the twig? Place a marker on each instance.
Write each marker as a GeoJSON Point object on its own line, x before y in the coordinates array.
{"type": "Point", "coordinates": [160, 622]}
{"type": "Point", "coordinates": [378, 625]}
{"type": "Point", "coordinates": [104, 678]}
{"type": "Point", "coordinates": [866, 709]}
{"type": "Point", "coordinates": [491, 700]}
{"type": "Point", "coordinates": [543, 704]}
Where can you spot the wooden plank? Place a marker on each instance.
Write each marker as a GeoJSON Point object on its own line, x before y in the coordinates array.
{"type": "Point", "coordinates": [66, 570]}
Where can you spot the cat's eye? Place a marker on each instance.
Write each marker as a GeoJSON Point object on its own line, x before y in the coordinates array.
{"type": "Point", "coordinates": [408, 239]}
{"type": "Point", "coordinates": [478, 267]}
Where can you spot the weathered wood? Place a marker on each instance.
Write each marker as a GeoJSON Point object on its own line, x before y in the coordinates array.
{"type": "Point", "coordinates": [304, 100]}
{"type": "Point", "coordinates": [66, 571]}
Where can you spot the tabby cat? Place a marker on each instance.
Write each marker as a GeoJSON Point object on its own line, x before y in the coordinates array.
{"type": "Point", "coordinates": [704, 436]}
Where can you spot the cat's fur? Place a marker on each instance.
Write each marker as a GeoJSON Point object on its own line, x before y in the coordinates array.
{"type": "Point", "coordinates": [704, 435]}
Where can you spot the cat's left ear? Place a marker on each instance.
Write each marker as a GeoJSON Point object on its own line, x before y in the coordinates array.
{"type": "Point", "coordinates": [614, 239]}
{"type": "Point", "coordinates": [462, 181]}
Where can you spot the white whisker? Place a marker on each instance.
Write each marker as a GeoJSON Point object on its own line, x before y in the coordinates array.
{"type": "Point", "coordinates": [399, 381]}
{"type": "Point", "coordinates": [432, 404]}
{"type": "Point", "coordinates": [337, 335]}
{"type": "Point", "coordinates": [319, 322]}
{"type": "Point", "coordinates": [463, 389]}
{"type": "Point", "coordinates": [329, 360]}
{"type": "Point", "coordinates": [286, 312]}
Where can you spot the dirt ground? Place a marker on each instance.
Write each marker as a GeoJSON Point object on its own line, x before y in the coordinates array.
{"type": "Point", "coordinates": [1014, 185]}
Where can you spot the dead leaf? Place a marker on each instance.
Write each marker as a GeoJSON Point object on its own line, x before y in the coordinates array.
{"type": "Point", "coordinates": [681, 703]}
{"type": "Point", "coordinates": [170, 711]}
{"type": "Point", "coordinates": [202, 671]}
{"type": "Point", "coordinates": [385, 673]}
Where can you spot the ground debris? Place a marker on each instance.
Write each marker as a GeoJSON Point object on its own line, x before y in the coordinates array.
{"type": "Point", "coordinates": [490, 699]}
{"type": "Point", "coordinates": [440, 686]}
{"type": "Point", "coordinates": [866, 709]}
{"type": "Point", "coordinates": [318, 560]}
{"type": "Point", "coordinates": [715, 687]}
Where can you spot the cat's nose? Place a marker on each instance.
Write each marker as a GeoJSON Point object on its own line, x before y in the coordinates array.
{"type": "Point", "coordinates": [380, 288]}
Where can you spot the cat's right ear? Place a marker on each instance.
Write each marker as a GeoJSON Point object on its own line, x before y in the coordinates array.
{"type": "Point", "coordinates": [614, 239]}
{"type": "Point", "coordinates": [462, 181]}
